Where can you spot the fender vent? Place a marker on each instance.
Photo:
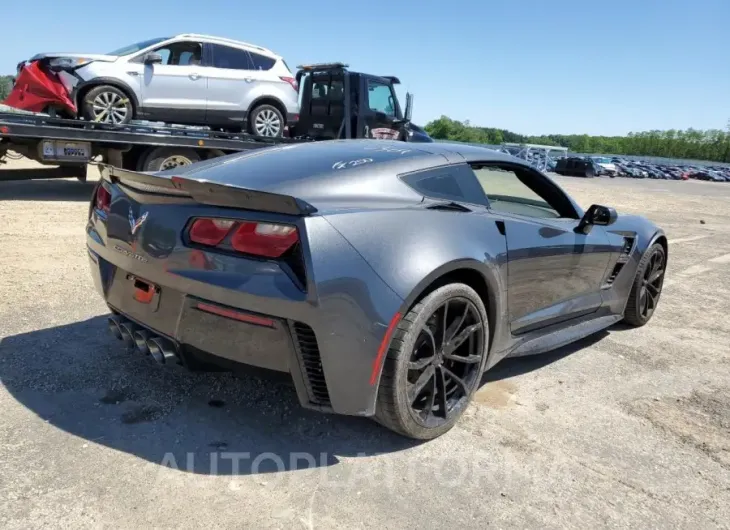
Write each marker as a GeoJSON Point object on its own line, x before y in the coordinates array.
{"type": "Point", "coordinates": [311, 364]}
{"type": "Point", "coordinates": [622, 259]}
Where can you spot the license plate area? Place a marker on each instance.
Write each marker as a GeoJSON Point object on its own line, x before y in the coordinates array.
{"type": "Point", "coordinates": [144, 293]}
{"type": "Point", "coordinates": [63, 151]}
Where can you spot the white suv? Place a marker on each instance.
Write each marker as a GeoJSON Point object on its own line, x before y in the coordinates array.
{"type": "Point", "coordinates": [191, 79]}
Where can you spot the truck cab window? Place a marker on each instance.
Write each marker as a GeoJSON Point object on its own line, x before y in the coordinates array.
{"type": "Point", "coordinates": [380, 98]}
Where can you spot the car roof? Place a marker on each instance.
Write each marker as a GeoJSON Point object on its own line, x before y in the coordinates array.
{"type": "Point", "coordinates": [224, 40]}
{"type": "Point", "coordinates": [336, 168]}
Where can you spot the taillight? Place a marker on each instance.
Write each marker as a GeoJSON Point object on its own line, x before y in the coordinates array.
{"type": "Point", "coordinates": [264, 239]}
{"type": "Point", "coordinates": [292, 82]}
{"type": "Point", "coordinates": [103, 199]}
{"type": "Point", "coordinates": [269, 240]}
{"type": "Point", "coordinates": [210, 231]}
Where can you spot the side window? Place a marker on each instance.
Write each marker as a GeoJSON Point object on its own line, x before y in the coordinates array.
{"type": "Point", "coordinates": [519, 191]}
{"type": "Point", "coordinates": [453, 183]}
{"type": "Point", "coordinates": [261, 62]}
{"type": "Point", "coordinates": [380, 98]}
{"type": "Point", "coordinates": [231, 58]}
{"type": "Point", "coordinates": [181, 53]}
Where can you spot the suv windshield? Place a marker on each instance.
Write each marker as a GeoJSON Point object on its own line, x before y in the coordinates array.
{"type": "Point", "coordinates": [132, 48]}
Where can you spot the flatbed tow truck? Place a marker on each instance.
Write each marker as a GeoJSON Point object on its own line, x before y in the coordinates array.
{"type": "Point", "coordinates": [335, 103]}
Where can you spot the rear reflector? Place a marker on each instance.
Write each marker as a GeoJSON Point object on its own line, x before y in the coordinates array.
{"type": "Point", "coordinates": [210, 231]}
{"type": "Point", "coordinates": [235, 315]}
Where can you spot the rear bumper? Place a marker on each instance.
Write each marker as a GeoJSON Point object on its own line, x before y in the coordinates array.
{"type": "Point", "coordinates": [191, 323]}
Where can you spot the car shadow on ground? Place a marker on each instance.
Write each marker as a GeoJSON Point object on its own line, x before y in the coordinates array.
{"type": "Point", "coordinates": [46, 190]}
{"type": "Point", "coordinates": [79, 379]}
{"type": "Point", "coordinates": [516, 366]}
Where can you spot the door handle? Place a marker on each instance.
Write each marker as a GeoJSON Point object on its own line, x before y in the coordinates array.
{"type": "Point", "coordinates": [248, 79]}
{"type": "Point", "coordinates": [133, 73]}
{"type": "Point", "coordinates": [194, 76]}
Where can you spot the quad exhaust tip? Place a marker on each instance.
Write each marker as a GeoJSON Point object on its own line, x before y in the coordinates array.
{"type": "Point", "coordinates": [140, 340]}
{"type": "Point", "coordinates": [127, 330]}
{"type": "Point", "coordinates": [161, 350]}
{"type": "Point", "coordinates": [113, 323]}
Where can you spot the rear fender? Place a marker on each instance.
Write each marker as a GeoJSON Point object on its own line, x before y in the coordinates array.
{"type": "Point", "coordinates": [410, 249]}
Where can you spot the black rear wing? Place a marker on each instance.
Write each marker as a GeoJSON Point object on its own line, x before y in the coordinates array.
{"type": "Point", "coordinates": [207, 192]}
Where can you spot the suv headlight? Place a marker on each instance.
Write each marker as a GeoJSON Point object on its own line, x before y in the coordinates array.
{"type": "Point", "coordinates": [68, 62]}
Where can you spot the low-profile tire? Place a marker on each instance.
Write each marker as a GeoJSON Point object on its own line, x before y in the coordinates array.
{"type": "Point", "coordinates": [163, 158]}
{"type": "Point", "coordinates": [266, 120]}
{"type": "Point", "coordinates": [647, 287]}
{"type": "Point", "coordinates": [445, 361]}
{"type": "Point", "coordinates": [107, 104]}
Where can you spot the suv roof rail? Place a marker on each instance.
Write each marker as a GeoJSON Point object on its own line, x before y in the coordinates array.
{"type": "Point", "coordinates": [322, 66]}
{"type": "Point", "coordinates": [224, 39]}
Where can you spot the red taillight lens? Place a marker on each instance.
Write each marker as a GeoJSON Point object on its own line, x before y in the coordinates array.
{"type": "Point", "coordinates": [264, 239]}
{"type": "Point", "coordinates": [268, 240]}
{"type": "Point", "coordinates": [210, 231]}
{"type": "Point", "coordinates": [291, 81]}
{"type": "Point", "coordinates": [103, 199]}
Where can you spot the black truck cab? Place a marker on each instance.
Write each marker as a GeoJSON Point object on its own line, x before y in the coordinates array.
{"type": "Point", "coordinates": [337, 103]}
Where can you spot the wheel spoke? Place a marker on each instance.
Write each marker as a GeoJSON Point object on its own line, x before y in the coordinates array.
{"type": "Point", "coordinates": [441, 393]}
{"type": "Point", "coordinates": [420, 384]}
{"type": "Point", "coordinates": [652, 290]}
{"type": "Point", "coordinates": [452, 346]}
{"type": "Point", "coordinates": [445, 321]}
{"type": "Point", "coordinates": [430, 400]}
{"type": "Point", "coordinates": [455, 327]}
{"type": "Point", "coordinates": [421, 363]}
{"type": "Point", "coordinates": [466, 359]}
{"type": "Point", "coordinates": [655, 275]}
{"type": "Point", "coordinates": [459, 382]}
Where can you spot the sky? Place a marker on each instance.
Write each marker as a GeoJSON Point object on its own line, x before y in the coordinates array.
{"type": "Point", "coordinates": [530, 66]}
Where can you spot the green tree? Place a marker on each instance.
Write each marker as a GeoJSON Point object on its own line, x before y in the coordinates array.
{"type": "Point", "coordinates": [6, 85]}
{"type": "Point", "coordinates": [711, 145]}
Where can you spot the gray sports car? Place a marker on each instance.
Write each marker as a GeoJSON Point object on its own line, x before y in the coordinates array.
{"type": "Point", "coordinates": [384, 277]}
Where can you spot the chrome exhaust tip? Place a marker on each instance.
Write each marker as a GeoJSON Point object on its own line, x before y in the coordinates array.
{"type": "Point", "coordinates": [161, 350]}
{"type": "Point", "coordinates": [140, 340]}
{"type": "Point", "coordinates": [127, 330]}
{"type": "Point", "coordinates": [113, 323]}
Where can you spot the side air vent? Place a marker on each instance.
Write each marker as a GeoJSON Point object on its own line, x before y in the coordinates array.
{"type": "Point", "coordinates": [311, 364]}
{"type": "Point", "coordinates": [622, 259]}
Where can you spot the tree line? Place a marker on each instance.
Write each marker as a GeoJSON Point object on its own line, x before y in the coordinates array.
{"type": "Point", "coordinates": [712, 145]}
{"type": "Point", "coordinates": [6, 85]}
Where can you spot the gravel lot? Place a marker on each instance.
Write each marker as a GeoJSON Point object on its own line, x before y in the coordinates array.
{"type": "Point", "coordinates": [628, 428]}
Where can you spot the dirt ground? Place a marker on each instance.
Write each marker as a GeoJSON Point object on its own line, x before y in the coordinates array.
{"type": "Point", "coordinates": [630, 428]}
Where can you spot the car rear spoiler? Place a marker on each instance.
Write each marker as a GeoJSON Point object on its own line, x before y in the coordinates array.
{"type": "Point", "coordinates": [207, 192]}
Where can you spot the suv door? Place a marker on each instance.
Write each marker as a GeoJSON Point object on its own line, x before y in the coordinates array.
{"type": "Point", "coordinates": [232, 79]}
{"type": "Point", "coordinates": [379, 105]}
{"type": "Point", "coordinates": [176, 89]}
{"type": "Point", "coordinates": [554, 273]}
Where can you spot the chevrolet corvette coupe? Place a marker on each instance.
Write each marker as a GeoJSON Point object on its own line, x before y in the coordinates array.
{"type": "Point", "coordinates": [385, 278]}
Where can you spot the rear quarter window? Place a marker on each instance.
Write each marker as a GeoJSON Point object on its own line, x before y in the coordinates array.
{"type": "Point", "coordinates": [261, 62]}
{"type": "Point", "coordinates": [454, 183]}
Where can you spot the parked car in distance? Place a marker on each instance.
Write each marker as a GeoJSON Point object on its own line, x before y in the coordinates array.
{"type": "Point", "coordinates": [189, 79]}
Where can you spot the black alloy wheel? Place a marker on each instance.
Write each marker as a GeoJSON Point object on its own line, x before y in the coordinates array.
{"type": "Point", "coordinates": [647, 289]}
{"type": "Point", "coordinates": [434, 364]}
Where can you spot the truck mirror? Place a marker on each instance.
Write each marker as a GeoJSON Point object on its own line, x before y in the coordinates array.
{"type": "Point", "coordinates": [409, 106]}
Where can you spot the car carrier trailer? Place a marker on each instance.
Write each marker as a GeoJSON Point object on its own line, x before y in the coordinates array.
{"type": "Point", "coordinates": [334, 104]}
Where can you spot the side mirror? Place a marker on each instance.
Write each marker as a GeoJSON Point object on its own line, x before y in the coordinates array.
{"type": "Point", "coordinates": [409, 106]}
{"type": "Point", "coordinates": [153, 58]}
{"type": "Point", "coordinates": [596, 215]}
